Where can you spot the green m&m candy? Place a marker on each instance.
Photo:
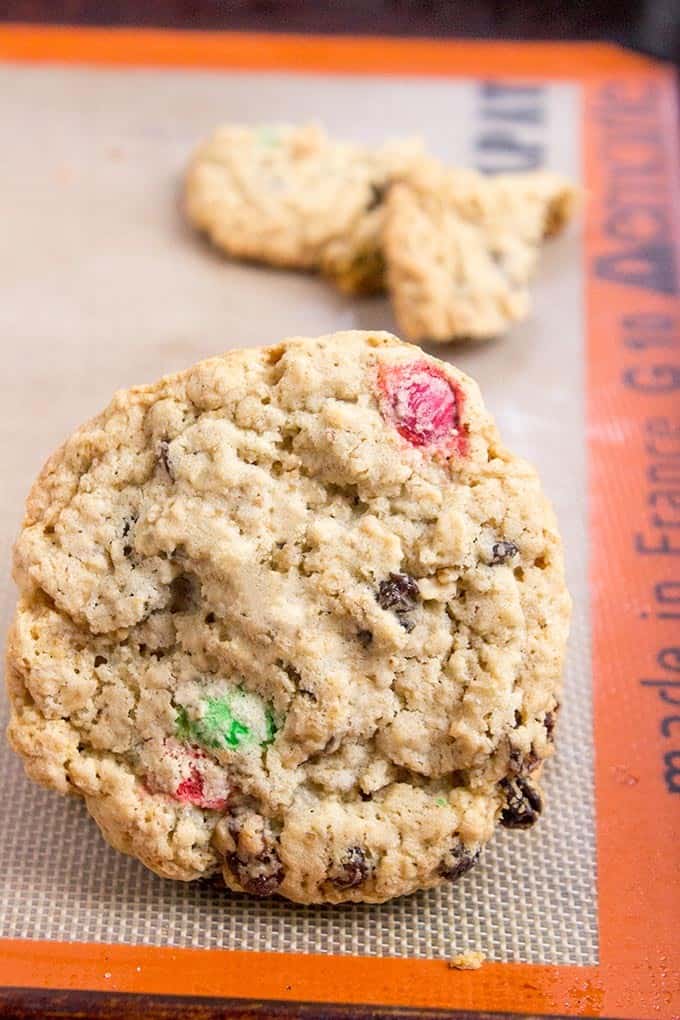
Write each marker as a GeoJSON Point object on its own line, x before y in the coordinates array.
{"type": "Point", "coordinates": [231, 721]}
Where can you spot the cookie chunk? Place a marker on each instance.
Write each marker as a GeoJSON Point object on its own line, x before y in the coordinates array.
{"type": "Point", "coordinates": [291, 196]}
{"type": "Point", "coordinates": [295, 616]}
{"type": "Point", "coordinates": [461, 247]}
{"type": "Point", "coordinates": [471, 959]}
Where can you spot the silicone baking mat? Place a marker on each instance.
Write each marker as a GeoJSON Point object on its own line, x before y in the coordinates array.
{"type": "Point", "coordinates": [103, 286]}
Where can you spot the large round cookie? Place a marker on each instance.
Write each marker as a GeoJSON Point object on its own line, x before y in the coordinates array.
{"type": "Point", "coordinates": [295, 614]}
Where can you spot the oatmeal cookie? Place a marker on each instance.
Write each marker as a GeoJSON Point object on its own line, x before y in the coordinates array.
{"type": "Point", "coordinates": [294, 615]}
{"type": "Point", "coordinates": [291, 196]}
{"type": "Point", "coordinates": [461, 247]}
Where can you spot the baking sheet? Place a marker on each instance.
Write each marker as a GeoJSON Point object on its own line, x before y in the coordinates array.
{"type": "Point", "coordinates": [104, 286]}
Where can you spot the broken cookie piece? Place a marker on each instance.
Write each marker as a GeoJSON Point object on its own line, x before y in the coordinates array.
{"type": "Point", "coordinates": [461, 247]}
{"type": "Point", "coordinates": [291, 196]}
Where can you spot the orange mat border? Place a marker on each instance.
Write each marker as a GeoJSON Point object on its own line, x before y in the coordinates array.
{"type": "Point", "coordinates": [312, 53]}
{"type": "Point", "coordinates": [638, 880]}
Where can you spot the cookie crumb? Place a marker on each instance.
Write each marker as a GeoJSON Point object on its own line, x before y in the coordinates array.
{"type": "Point", "coordinates": [470, 960]}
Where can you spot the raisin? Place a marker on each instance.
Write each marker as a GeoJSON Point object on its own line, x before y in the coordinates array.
{"type": "Point", "coordinates": [398, 592]}
{"type": "Point", "coordinates": [457, 862]}
{"type": "Point", "coordinates": [211, 882]}
{"type": "Point", "coordinates": [365, 638]}
{"type": "Point", "coordinates": [164, 457]}
{"type": "Point", "coordinates": [523, 804]}
{"type": "Point", "coordinates": [181, 592]}
{"type": "Point", "coordinates": [260, 875]}
{"type": "Point", "coordinates": [378, 192]}
{"type": "Point", "coordinates": [291, 672]}
{"type": "Point", "coordinates": [521, 764]}
{"type": "Point", "coordinates": [549, 723]}
{"type": "Point", "coordinates": [127, 528]}
{"type": "Point", "coordinates": [234, 826]}
{"type": "Point", "coordinates": [502, 551]}
{"type": "Point", "coordinates": [352, 870]}
{"type": "Point", "coordinates": [100, 660]}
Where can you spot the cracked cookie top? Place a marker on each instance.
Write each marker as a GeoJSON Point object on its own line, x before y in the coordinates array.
{"type": "Point", "coordinates": [294, 614]}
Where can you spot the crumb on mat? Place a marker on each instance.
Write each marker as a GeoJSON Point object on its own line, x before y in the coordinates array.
{"type": "Point", "coordinates": [470, 960]}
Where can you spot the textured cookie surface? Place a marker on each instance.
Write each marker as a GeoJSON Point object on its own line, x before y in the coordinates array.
{"type": "Point", "coordinates": [294, 615]}
{"type": "Point", "coordinates": [293, 197]}
{"type": "Point", "coordinates": [461, 247]}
